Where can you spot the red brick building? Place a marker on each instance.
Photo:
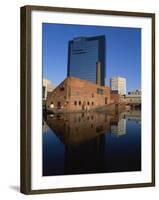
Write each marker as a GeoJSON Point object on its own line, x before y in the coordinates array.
{"type": "Point", "coordinates": [74, 94]}
{"type": "Point", "coordinates": [77, 128]}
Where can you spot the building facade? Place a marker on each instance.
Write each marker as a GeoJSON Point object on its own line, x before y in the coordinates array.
{"type": "Point", "coordinates": [74, 94]}
{"type": "Point", "coordinates": [118, 84]}
{"type": "Point", "coordinates": [134, 97]}
{"type": "Point", "coordinates": [46, 88]}
{"type": "Point", "coordinates": [86, 59]}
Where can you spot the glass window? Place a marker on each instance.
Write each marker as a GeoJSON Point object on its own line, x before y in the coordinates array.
{"type": "Point", "coordinates": [99, 91]}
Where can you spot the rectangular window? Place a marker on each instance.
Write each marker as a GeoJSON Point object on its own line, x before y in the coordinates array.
{"type": "Point", "coordinates": [99, 91]}
{"type": "Point", "coordinates": [44, 88]}
{"type": "Point", "coordinates": [62, 88]}
{"type": "Point", "coordinates": [106, 100]}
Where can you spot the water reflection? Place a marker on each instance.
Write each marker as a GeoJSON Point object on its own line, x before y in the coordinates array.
{"type": "Point", "coordinates": [91, 143]}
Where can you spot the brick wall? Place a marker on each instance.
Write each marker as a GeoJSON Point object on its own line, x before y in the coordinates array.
{"type": "Point", "coordinates": [74, 94]}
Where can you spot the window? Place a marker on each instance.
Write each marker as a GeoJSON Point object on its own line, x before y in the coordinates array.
{"type": "Point", "coordinates": [99, 91]}
{"type": "Point", "coordinates": [79, 102]}
{"type": "Point", "coordinates": [92, 95]}
{"type": "Point", "coordinates": [92, 103]}
{"type": "Point", "coordinates": [58, 104]}
{"type": "Point", "coordinates": [99, 129]}
{"type": "Point", "coordinates": [62, 88]}
{"type": "Point", "coordinates": [44, 89]}
{"type": "Point", "coordinates": [75, 103]}
{"type": "Point", "coordinates": [88, 103]}
{"type": "Point", "coordinates": [74, 50]}
{"type": "Point", "coordinates": [106, 99]}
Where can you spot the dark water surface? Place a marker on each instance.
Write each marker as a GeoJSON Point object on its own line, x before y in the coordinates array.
{"type": "Point", "coordinates": [93, 142]}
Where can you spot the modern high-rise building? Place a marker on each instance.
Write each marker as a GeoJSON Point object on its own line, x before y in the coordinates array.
{"type": "Point", "coordinates": [118, 85]}
{"type": "Point", "coordinates": [86, 59]}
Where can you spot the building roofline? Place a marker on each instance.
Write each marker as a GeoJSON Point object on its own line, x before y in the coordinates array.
{"type": "Point", "coordinates": [114, 77]}
{"type": "Point", "coordinates": [81, 80]}
{"type": "Point", "coordinates": [89, 38]}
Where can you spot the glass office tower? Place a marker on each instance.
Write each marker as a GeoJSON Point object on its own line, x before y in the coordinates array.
{"type": "Point", "coordinates": [86, 59]}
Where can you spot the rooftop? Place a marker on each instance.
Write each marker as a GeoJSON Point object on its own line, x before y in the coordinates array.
{"type": "Point", "coordinates": [83, 81]}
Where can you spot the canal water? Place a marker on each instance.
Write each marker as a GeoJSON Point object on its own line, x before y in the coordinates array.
{"type": "Point", "coordinates": [93, 142]}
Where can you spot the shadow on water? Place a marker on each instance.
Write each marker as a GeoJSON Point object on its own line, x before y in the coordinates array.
{"type": "Point", "coordinates": [91, 142]}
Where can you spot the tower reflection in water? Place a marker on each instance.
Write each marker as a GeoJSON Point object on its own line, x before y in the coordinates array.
{"type": "Point", "coordinates": [82, 143]}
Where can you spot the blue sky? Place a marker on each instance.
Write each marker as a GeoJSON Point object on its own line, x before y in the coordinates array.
{"type": "Point", "coordinates": [123, 51]}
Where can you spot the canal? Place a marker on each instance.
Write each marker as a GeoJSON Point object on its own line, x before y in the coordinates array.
{"type": "Point", "coordinates": [93, 142]}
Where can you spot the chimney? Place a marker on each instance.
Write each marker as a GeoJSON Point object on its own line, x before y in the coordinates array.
{"type": "Point", "coordinates": [98, 73]}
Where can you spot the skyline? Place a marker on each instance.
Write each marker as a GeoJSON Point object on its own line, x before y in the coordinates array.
{"type": "Point", "coordinates": [123, 51]}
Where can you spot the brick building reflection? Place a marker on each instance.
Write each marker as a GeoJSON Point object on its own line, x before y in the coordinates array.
{"type": "Point", "coordinates": [77, 128]}
{"type": "Point", "coordinates": [83, 136]}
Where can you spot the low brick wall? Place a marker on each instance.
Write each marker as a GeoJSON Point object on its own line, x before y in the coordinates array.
{"type": "Point", "coordinates": [110, 108]}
